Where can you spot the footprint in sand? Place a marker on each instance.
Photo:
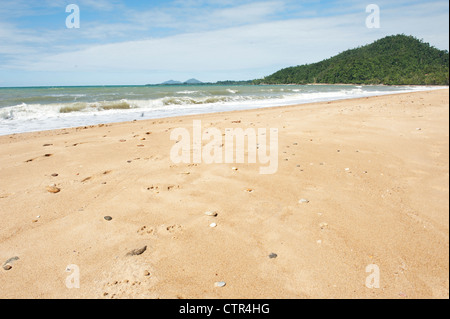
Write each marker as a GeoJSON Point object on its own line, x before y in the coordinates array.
{"type": "Point", "coordinates": [75, 144]}
{"type": "Point", "coordinates": [33, 159]}
{"type": "Point", "coordinates": [128, 279]}
{"type": "Point", "coordinates": [170, 230]}
{"type": "Point", "coordinates": [174, 228]}
{"type": "Point", "coordinates": [160, 230]}
{"type": "Point", "coordinates": [166, 187]}
{"type": "Point", "coordinates": [144, 230]}
{"type": "Point", "coordinates": [97, 175]}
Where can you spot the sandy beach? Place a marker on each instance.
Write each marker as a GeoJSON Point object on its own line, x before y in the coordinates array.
{"type": "Point", "coordinates": [373, 173]}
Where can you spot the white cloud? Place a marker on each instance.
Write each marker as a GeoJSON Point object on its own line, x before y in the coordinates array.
{"type": "Point", "coordinates": [102, 5]}
{"type": "Point", "coordinates": [260, 46]}
{"type": "Point", "coordinates": [192, 18]}
{"type": "Point", "coordinates": [242, 42]}
{"type": "Point", "coordinates": [246, 47]}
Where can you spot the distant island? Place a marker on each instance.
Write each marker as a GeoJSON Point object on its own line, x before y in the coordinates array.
{"type": "Point", "coordinates": [393, 60]}
{"type": "Point", "coordinates": [171, 82]}
{"type": "Point", "coordinates": [190, 82]}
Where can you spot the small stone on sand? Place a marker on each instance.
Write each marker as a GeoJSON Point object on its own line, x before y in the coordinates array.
{"type": "Point", "coordinates": [108, 218]}
{"type": "Point", "coordinates": [220, 284]}
{"type": "Point", "coordinates": [212, 225]}
{"type": "Point", "coordinates": [11, 260]}
{"type": "Point", "coordinates": [303, 201]}
{"type": "Point", "coordinates": [273, 255]}
{"type": "Point", "coordinates": [323, 225]}
{"type": "Point", "coordinates": [137, 252]}
{"type": "Point", "coordinates": [211, 213]}
{"type": "Point", "coordinates": [53, 189]}
{"type": "Point", "coordinates": [7, 265]}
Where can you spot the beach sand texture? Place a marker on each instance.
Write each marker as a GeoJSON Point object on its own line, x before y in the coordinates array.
{"type": "Point", "coordinates": [374, 172]}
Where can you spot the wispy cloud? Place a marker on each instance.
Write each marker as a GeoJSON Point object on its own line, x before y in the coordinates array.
{"type": "Point", "coordinates": [189, 18]}
{"type": "Point", "coordinates": [103, 5]}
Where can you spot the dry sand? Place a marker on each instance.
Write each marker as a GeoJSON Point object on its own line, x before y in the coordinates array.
{"type": "Point", "coordinates": [390, 209]}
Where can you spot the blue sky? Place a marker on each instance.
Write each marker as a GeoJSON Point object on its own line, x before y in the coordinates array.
{"type": "Point", "coordinates": [138, 42]}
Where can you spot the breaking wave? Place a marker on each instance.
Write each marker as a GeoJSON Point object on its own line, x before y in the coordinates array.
{"type": "Point", "coordinates": [22, 110]}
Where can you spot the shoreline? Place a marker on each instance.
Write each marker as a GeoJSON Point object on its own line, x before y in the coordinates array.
{"type": "Point", "coordinates": [360, 182]}
{"type": "Point", "coordinates": [432, 88]}
{"type": "Point", "coordinates": [169, 85]}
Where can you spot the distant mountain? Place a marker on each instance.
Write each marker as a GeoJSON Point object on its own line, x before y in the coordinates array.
{"type": "Point", "coordinates": [393, 60]}
{"type": "Point", "coordinates": [193, 81]}
{"type": "Point", "coordinates": [171, 82]}
{"type": "Point", "coordinates": [190, 81]}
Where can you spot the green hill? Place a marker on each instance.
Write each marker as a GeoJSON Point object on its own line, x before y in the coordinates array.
{"type": "Point", "coordinates": [393, 60]}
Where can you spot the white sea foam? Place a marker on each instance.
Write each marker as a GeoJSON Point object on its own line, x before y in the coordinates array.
{"type": "Point", "coordinates": [67, 95]}
{"type": "Point", "coordinates": [40, 116]}
{"type": "Point", "coordinates": [186, 92]}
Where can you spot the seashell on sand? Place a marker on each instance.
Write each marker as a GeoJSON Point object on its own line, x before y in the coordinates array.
{"type": "Point", "coordinates": [211, 213]}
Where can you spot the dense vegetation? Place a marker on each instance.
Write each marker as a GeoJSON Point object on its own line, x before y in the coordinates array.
{"type": "Point", "coordinates": [234, 82]}
{"type": "Point", "coordinates": [393, 60]}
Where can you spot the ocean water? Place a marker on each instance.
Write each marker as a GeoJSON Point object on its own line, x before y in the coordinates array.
{"type": "Point", "coordinates": [46, 108]}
